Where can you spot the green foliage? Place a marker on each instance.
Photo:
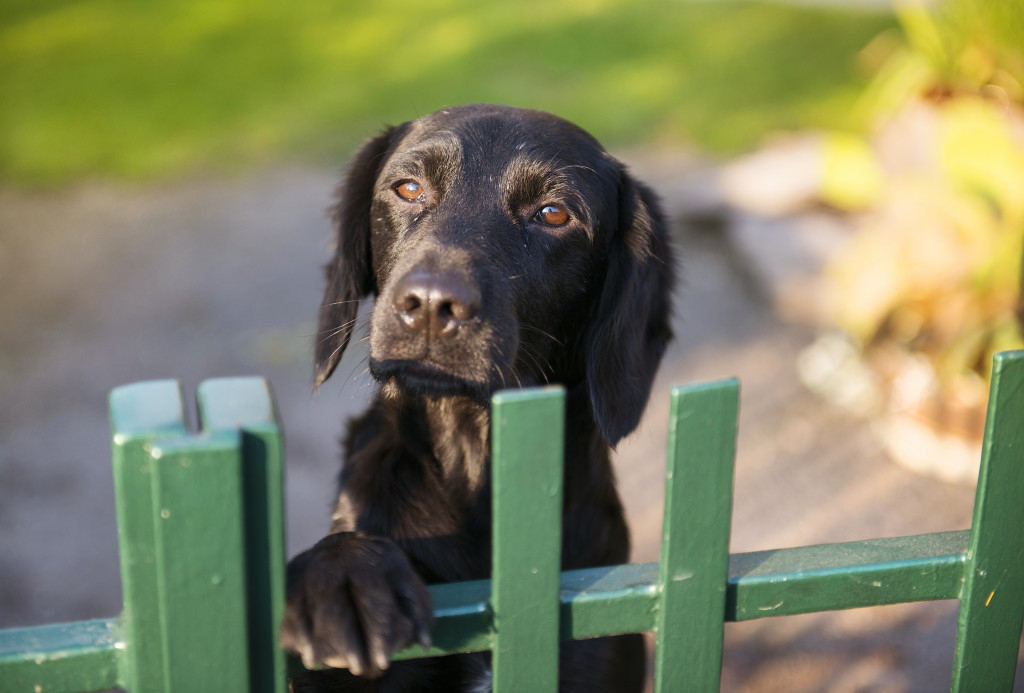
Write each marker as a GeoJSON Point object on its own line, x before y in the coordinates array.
{"type": "Point", "coordinates": [154, 90]}
{"type": "Point", "coordinates": [935, 267]}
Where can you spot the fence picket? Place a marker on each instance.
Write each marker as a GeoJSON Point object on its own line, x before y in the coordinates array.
{"type": "Point", "coordinates": [694, 565]}
{"type": "Point", "coordinates": [527, 440]}
{"type": "Point", "coordinates": [992, 603]}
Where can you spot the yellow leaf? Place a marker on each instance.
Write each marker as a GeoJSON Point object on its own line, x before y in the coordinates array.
{"type": "Point", "coordinates": [853, 178]}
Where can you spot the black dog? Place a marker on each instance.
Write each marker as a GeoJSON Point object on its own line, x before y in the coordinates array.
{"type": "Point", "coordinates": [505, 248]}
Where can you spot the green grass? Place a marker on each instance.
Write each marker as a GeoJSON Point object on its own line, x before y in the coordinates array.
{"type": "Point", "coordinates": [156, 90]}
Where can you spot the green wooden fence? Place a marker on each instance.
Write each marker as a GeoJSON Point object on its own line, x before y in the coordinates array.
{"type": "Point", "coordinates": [201, 541]}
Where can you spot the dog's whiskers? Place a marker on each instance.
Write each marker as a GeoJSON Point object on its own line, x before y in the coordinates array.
{"type": "Point", "coordinates": [534, 363]}
{"type": "Point", "coordinates": [355, 325]}
{"type": "Point", "coordinates": [550, 336]}
{"type": "Point", "coordinates": [353, 375]}
{"type": "Point", "coordinates": [338, 330]}
{"type": "Point", "coordinates": [338, 303]}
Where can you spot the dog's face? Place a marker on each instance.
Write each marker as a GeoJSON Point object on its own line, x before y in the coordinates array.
{"type": "Point", "coordinates": [505, 248]}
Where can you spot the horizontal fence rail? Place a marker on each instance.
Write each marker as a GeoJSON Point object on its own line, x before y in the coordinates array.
{"type": "Point", "coordinates": [202, 607]}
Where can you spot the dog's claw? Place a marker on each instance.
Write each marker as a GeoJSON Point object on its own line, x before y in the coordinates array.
{"type": "Point", "coordinates": [337, 662]}
{"type": "Point", "coordinates": [354, 665]}
{"type": "Point", "coordinates": [423, 637]}
{"type": "Point", "coordinates": [308, 660]}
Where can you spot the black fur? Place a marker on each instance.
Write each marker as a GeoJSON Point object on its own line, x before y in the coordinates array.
{"type": "Point", "coordinates": [475, 291]}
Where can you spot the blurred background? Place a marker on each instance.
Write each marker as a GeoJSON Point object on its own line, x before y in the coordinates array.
{"type": "Point", "coordinates": [845, 179]}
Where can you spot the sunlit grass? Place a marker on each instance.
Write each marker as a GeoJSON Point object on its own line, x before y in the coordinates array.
{"type": "Point", "coordinates": [116, 88]}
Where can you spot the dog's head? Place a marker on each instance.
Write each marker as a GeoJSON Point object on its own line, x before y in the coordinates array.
{"type": "Point", "coordinates": [505, 248]}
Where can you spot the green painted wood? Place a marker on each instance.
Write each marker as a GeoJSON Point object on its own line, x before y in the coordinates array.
{"type": "Point", "coordinates": [189, 590]}
{"type": "Point", "coordinates": [228, 404]}
{"type": "Point", "coordinates": [846, 576]}
{"type": "Point", "coordinates": [139, 414]}
{"type": "Point", "coordinates": [694, 568]}
{"type": "Point", "coordinates": [992, 603]}
{"type": "Point", "coordinates": [198, 492]}
{"type": "Point", "coordinates": [610, 600]}
{"type": "Point", "coordinates": [462, 620]}
{"type": "Point", "coordinates": [527, 445]}
{"type": "Point", "coordinates": [246, 405]}
{"type": "Point", "coordinates": [613, 600]}
{"type": "Point", "coordinates": [61, 658]}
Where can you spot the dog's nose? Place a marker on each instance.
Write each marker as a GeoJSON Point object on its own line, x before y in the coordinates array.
{"type": "Point", "coordinates": [435, 304]}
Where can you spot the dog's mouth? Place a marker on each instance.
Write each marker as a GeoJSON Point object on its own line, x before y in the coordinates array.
{"type": "Point", "coordinates": [416, 377]}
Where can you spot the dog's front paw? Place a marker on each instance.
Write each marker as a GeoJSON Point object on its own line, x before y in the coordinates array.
{"type": "Point", "coordinates": [353, 600]}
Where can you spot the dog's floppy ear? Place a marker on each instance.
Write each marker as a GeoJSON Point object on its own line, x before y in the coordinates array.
{"type": "Point", "coordinates": [350, 272]}
{"type": "Point", "coordinates": [630, 327]}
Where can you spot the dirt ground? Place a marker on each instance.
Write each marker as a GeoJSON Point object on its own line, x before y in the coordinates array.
{"type": "Point", "coordinates": [104, 285]}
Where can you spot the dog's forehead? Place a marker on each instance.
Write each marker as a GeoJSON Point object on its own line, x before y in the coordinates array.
{"type": "Point", "coordinates": [498, 134]}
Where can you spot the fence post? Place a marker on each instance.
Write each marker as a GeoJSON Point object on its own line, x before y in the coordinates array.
{"type": "Point", "coordinates": [992, 600]}
{"type": "Point", "coordinates": [694, 567]}
{"type": "Point", "coordinates": [200, 527]}
{"type": "Point", "coordinates": [527, 442]}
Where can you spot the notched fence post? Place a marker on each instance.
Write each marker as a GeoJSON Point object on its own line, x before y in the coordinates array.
{"type": "Point", "coordinates": [200, 528]}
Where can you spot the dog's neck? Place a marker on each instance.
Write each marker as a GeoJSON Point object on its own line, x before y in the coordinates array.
{"type": "Point", "coordinates": [459, 431]}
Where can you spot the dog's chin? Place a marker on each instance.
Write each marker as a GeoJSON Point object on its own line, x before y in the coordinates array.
{"type": "Point", "coordinates": [423, 379]}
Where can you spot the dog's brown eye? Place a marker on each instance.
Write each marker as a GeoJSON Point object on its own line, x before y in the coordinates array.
{"type": "Point", "coordinates": [411, 190]}
{"type": "Point", "coordinates": [552, 215]}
